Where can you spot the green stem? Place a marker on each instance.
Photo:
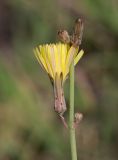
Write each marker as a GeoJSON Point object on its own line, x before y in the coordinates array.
{"type": "Point", "coordinates": [71, 118]}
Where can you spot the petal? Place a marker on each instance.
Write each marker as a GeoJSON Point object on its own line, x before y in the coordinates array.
{"type": "Point", "coordinates": [40, 59]}
{"type": "Point", "coordinates": [63, 56]}
{"type": "Point", "coordinates": [78, 57]}
{"type": "Point", "coordinates": [56, 59]}
{"type": "Point", "coordinates": [45, 56]}
{"type": "Point", "coordinates": [70, 57]}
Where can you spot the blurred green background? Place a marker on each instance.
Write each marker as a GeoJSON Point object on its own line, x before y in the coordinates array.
{"type": "Point", "coordinates": [29, 127]}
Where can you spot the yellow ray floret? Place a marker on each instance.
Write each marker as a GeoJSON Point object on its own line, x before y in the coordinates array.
{"type": "Point", "coordinates": [56, 59]}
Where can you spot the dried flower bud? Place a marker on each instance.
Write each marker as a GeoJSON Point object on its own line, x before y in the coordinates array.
{"type": "Point", "coordinates": [78, 117]}
{"type": "Point", "coordinates": [64, 36]}
{"type": "Point", "coordinates": [76, 37]}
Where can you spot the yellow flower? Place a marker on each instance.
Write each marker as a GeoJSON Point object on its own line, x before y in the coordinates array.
{"type": "Point", "coordinates": [56, 59]}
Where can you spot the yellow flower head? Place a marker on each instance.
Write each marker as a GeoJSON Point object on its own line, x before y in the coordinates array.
{"type": "Point", "coordinates": [56, 59]}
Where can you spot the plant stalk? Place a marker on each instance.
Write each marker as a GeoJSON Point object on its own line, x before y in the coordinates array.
{"type": "Point", "coordinates": [71, 116]}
